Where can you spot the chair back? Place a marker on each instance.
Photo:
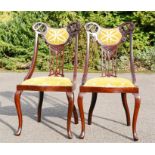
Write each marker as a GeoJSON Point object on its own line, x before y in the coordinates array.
{"type": "Point", "coordinates": [109, 40]}
{"type": "Point", "coordinates": [56, 39]}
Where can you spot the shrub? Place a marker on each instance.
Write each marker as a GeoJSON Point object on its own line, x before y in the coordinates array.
{"type": "Point", "coordinates": [17, 38]}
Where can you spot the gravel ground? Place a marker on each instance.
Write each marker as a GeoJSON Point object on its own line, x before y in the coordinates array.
{"type": "Point", "coordinates": [109, 122]}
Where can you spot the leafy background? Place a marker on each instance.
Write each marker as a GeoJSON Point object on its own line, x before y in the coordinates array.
{"type": "Point", "coordinates": [17, 39]}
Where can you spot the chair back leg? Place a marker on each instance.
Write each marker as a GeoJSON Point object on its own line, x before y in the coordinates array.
{"type": "Point", "coordinates": [125, 105]}
{"type": "Point", "coordinates": [70, 111]}
{"type": "Point", "coordinates": [41, 97]}
{"type": "Point", "coordinates": [91, 109]}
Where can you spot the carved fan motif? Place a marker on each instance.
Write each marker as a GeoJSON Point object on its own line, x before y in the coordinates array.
{"type": "Point", "coordinates": [109, 37]}
{"type": "Point", "coordinates": [56, 36]}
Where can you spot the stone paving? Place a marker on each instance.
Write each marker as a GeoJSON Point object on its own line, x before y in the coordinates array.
{"type": "Point", "coordinates": [109, 122]}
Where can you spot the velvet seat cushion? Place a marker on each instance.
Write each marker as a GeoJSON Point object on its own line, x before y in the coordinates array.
{"type": "Point", "coordinates": [48, 81]}
{"type": "Point", "coordinates": [109, 82]}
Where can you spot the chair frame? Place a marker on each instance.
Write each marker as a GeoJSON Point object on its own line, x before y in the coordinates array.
{"type": "Point", "coordinates": [127, 30]}
{"type": "Point", "coordinates": [73, 30]}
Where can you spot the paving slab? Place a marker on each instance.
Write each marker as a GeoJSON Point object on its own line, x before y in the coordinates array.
{"type": "Point", "coordinates": [109, 121]}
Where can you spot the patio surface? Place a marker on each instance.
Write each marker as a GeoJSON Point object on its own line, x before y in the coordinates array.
{"type": "Point", "coordinates": [109, 121]}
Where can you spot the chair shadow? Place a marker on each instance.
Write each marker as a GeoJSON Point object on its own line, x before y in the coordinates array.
{"type": "Point", "coordinates": [108, 119]}
{"type": "Point", "coordinates": [105, 128]}
{"type": "Point", "coordinates": [8, 125]}
{"type": "Point", "coordinates": [29, 108]}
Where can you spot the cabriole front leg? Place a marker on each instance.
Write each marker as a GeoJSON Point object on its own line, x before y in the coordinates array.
{"type": "Point", "coordinates": [135, 116]}
{"type": "Point", "coordinates": [80, 105]}
{"type": "Point", "coordinates": [75, 114]}
{"type": "Point", "coordinates": [69, 116]}
{"type": "Point", "coordinates": [19, 112]}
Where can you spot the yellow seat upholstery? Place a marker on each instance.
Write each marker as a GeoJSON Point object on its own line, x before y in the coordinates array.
{"type": "Point", "coordinates": [56, 36]}
{"type": "Point", "coordinates": [109, 82]}
{"type": "Point", "coordinates": [109, 37]}
{"type": "Point", "coordinates": [48, 81]}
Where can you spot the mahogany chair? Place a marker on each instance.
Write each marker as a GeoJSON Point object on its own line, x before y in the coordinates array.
{"type": "Point", "coordinates": [109, 40]}
{"type": "Point", "coordinates": [56, 39]}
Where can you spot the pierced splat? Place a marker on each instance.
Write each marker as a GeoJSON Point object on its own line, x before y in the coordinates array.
{"type": "Point", "coordinates": [109, 61]}
{"type": "Point", "coordinates": [56, 65]}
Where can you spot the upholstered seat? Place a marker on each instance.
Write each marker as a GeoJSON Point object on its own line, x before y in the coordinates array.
{"type": "Point", "coordinates": [109, 82]}
{"type": "Point", "coordinates": [48, 81]}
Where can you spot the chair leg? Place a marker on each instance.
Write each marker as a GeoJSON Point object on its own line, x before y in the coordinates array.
{"type": "Point", "coordinates": [69, 116]}
{"type": "Point", "coordinates": [135, 115]}
{"type": "Point", "coordinates": [92, 106]}
{"type": "Point", "coordinates": [41, 97]}
{"type": "Point", "coordinates": [19, 111]}
{"type": "Point", "coordinates": [125, 105]}
{"type": "Point", "coordinates": [75, 114]}
{"type": "Point", "coordinates": [80, 105]}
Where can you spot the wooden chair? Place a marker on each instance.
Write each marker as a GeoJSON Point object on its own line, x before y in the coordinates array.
{"type": "Point", "coordinates": [109, 39]}
{"type": "Point", "coordinates": [56, 39]}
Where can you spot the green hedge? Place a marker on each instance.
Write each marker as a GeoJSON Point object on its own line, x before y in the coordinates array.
{"type": "Point", "coordinates": [17, 38]}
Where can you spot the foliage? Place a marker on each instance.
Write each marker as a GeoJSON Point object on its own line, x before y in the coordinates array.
{"type": "Point", "coordinates": [17, 38]}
